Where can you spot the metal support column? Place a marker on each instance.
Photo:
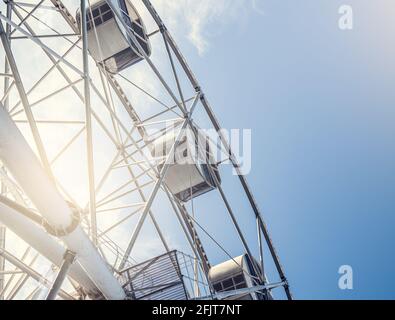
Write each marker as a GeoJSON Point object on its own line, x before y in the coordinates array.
{"type": "Point", "coordinates": [2, 260]}
{"type": "Point", "coordinates": [31, 272]}
{"type": "Point", "coordinates": [154, 192]}
{"type": "Point", "coordinates": [68, 260]}
{"type": "Point", "coordinates": [88, 119]}
{"type": "Point", "coordinates": [3, 190]}
{"type": "Point", "coordinates": [162, 175]}
{"type": "Point", "coordinates": [25, 101]}
{"type": "Point", "coordinates": [6, 64]}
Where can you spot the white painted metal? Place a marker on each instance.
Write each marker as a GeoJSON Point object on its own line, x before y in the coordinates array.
{"type": "Point", "coordinates": [32, 273]}
{"type": "Point", "coordinates": [2, 261]}
{"type": "Point", "coordinates": [238, 267]}
{"type": "Point", "coordinates": [107, 38]}
{"type": "Point", "coordinates": [111, 40]}
{"type": "Point", "coordinates": [45, 244]}
{"type": "Point", "coordinates": [25, 168]}
{"type": "Point", "coordinates": [88, 125]}
{"type": "Point", "coordinates": [188, 176]}
{"type": "Point", "coordinates": [127, 132]}
{"type": "Point", "coordinates": [236, 294]}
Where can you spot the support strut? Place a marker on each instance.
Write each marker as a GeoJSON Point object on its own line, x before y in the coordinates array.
{"type": "Point", "coordinates": [68, 260]}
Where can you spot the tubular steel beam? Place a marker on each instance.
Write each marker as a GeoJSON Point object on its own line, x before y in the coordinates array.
{"type": "Point", "coordinates": [2, 261]}
{"type": "Point", "coordinates": [31, 272]}
{"type": "Point", "coordinates": [161, 177]}
{"type": "Point", "coordinates": [25, 101]}
{"type": "Point", "coordinates": [68, 260]}
{"type": "Point", "coordinates": [88, 125]}
{"type": "Point", "coordinates": [26, 226]}
{"type": "Point", "coordinates": [20, 160]}
{"type": "Point", "coordinates": [151, 198]}
{"type": "Point", "coordinates": [41, 44]}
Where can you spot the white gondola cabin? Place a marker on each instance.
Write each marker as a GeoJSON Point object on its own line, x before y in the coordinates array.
{"type": "Point", "coordinates": [234, 274]}
{"type": "Point", "coordinates": [192, 171]}
{"type": "Point", "coordinates": [109, 42]}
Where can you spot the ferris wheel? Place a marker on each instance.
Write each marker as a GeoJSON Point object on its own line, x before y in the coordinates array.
{"type": "Point", "coordinates": [110, 187]}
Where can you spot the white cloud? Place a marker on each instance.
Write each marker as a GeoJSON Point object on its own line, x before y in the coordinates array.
{"type": "Point", "coordinates": [257, 6]}
{"type": "Point", "coordinates": [201, 20]}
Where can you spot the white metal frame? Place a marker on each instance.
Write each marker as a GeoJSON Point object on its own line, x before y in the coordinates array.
{"type": "Point", "coordinates": [128, 136]}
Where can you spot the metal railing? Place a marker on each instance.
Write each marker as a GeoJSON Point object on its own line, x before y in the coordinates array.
{"type": "Point", "coordinates": [171, 276]}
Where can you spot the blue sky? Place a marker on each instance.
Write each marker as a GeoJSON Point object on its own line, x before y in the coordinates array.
{"type": "Point", "coordinates": [320, 102]}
